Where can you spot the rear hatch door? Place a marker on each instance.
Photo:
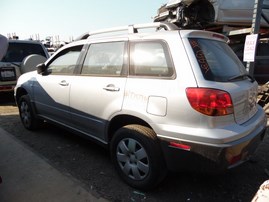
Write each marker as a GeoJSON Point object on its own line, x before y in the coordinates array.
{"type": "Point", "coordinates": [220, 68]}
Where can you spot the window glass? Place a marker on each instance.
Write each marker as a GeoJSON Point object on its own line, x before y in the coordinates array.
{"type": "Point", "coordinates": [217, 61]}
{"type": "Point", "coordinates": [104, 59]}
{"type": "Point", "coordinates": [65, 61]}
{"type": "Point", "coordinates": [18, 51]}
{"type": "Point", "coordinates": [150, 59]}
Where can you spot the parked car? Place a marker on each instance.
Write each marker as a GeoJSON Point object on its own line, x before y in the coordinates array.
{"type": "Point", "coordinates": [164, 100]}
{"type": "Point", "coordinates": [11, 64]}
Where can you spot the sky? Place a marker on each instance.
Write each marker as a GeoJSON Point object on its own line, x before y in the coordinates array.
{"type": "Point", "coordinates": [69, 19]}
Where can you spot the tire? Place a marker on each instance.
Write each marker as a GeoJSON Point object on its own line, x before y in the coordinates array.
{"type": "Point", "coordinates": [137, 156]}
{"type": "Point", "coordinates": [27, 114]}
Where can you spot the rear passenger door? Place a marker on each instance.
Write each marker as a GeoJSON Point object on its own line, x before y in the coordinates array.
{"type": "Point", "coordinates": [97, 93]}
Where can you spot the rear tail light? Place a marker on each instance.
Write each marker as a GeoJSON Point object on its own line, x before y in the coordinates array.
{"type": "Point", "coordinates": [211, 102]}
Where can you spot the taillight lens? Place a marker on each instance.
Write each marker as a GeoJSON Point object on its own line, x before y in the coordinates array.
{"type": "Point", "coordinates": [211, 102]}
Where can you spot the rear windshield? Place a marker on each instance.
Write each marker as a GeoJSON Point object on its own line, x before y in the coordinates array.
{"type": "Point", "coordinates": [217, 61]}
{"type": "Point", "coordinates": [18, 51]}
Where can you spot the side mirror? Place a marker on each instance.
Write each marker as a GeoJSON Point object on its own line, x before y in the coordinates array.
{"type": "Point", "coordinates": [41, 68]}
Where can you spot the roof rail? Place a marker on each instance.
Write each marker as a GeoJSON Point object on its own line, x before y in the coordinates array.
{"type": "Point", "coordinates": [132, 29]}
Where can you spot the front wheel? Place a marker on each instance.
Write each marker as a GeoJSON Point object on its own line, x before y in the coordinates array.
{"type": "Point", "coordinates": [27, 113]}
{"type": "Point", "coordinates": [137, 156]}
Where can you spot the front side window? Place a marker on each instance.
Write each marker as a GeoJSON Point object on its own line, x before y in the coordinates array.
{"type": "Point", "coordinates": [104, 59]}
{"type": "Point", "coordinates": [65, 62]}
{"type": "Point", "coordinates": [217, 61]}
{"type": "Point", "coordinates": [150, 58]}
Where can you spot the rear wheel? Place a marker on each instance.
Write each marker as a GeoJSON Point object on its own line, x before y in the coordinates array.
{"type": "Point", "coordinates": [137, 156]}
{"type": "Point", "coordinates": [27, 113]}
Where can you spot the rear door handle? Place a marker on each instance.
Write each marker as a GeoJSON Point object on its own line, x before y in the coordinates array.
{"type": "Point", "coordinates": [63, 83]}
{"type": "Point", "coordinates": [111, 87]}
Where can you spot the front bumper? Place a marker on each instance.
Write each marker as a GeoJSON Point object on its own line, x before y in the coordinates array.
{"type": "Point", "coordinates": [209, 158]}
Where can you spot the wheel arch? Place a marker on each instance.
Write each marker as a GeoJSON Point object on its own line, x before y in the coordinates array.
{"type": "Point", "coordinates": [20, 92]}
{"type": "Point", "coordinates": [121, 121]}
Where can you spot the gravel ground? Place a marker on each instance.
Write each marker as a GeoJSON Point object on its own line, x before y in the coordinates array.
{"type": "Point", "coordinates": [91, 165]}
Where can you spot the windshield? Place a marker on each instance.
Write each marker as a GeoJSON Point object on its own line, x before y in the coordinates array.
{"type": "Point", "coordinates": [217, 61]}
{"type": "Point", "coordinates": [18, 51]}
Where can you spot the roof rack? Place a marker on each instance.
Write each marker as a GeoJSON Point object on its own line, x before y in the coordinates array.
{"type": "Point", "coordinates": [132, 29]}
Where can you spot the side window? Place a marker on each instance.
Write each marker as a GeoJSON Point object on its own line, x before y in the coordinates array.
{"type": "Point", "coordinates": [65, 62]}
{"type": "Point", "coordinates": [150, 58]}
{"type": "Point", "coordinates": [104, 59]}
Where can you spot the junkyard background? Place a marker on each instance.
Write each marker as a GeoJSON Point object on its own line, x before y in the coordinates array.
{"type": "Point", "coordinates": [91, 165]}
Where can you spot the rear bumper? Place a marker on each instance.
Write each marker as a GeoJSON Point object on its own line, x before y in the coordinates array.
{"type": "Point", "coordinates": [7, 88]}
{"type": "Point", "coordinates": [214, 158]}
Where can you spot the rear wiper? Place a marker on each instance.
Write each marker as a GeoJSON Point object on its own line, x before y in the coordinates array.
{"type": "Point", "coordinates": [242, 76]}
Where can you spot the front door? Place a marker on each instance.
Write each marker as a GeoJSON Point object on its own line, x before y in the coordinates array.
{"type": "Point", "coordinates": [52, 88]}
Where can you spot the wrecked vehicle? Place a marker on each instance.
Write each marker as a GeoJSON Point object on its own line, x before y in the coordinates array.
{"type": "Point", "coordinates": [199, 14]}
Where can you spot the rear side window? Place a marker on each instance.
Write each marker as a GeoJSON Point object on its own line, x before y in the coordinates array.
{"type": "Point", "coordinates": [150, 58]}
{"type": "Point", "coordinates": [105, 59]}
{"type": "Point", "coordinates": [216, 60]}
{"type": "Point", "coordinates": [18, 51]}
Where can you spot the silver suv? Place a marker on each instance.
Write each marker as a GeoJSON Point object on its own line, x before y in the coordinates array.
{"type": "Point", "coordinates": [167, 99]}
